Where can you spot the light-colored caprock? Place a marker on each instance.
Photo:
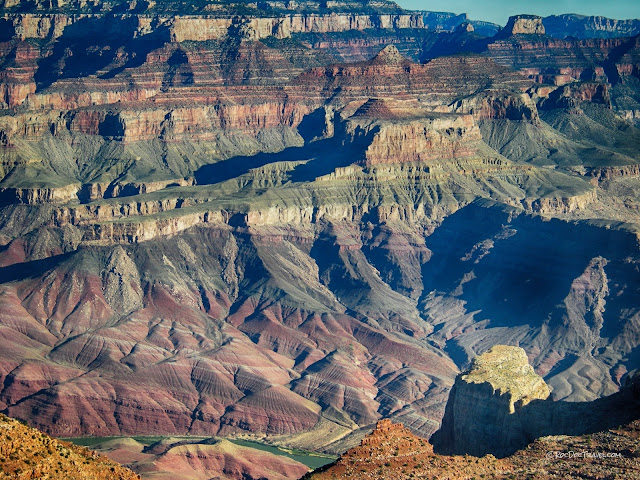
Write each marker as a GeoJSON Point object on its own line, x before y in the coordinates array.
{"type": "Point", "coordinates": [507, 369]}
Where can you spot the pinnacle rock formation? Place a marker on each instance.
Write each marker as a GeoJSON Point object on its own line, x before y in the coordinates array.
{"type": "Point", "coordinates": [389, 54]}
{"type": "Point", "coordinates": [501, 404]}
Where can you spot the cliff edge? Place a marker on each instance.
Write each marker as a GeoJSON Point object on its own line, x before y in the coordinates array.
{"type": "Point", "coordinates": [391, 452]}
{"type": "Point", "coordinates": [507, 370]}
{"type": "Point", "coordinates": [524, 25]}
{"type": "Point", "coordinates": [501, 405]}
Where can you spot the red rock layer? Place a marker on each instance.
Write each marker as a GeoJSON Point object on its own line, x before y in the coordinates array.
{"type": "Point", "coordinates": [391, 452]}
{"type": "Point", "coordinates": [179, 361]}
{"type": "Point", "coordinates": [567, 60]}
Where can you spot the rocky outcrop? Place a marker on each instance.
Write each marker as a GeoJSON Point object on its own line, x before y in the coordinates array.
{"type": "Point", "coordinates": [96, 191]}
{"type": "Point", "coordinates": [38, 196]}
{"type": "Point", "coordinates": [493, 105]}
{"type": "Point", "coordinates": [609, 173]}
{"type": "Point", "coordinates": [524, 25]}
{"type": "Point", "coordinates": [560, 205]}
{"type": "Point", "coordinates": [570, 96]}
{"type": "Point", "coordinates": [391, 452]}
{"type": "Point", "coordinates": [507, 370]}
{"type": "Point", "coordinates": [16, 81]}
{"type": "Point", "coordinates": [500, 405]}
{"type": "Point", "coordinates": [483, 411]}
{"type": "Point", "coordinates": [28, 453]}
{"type": "Point", "coordinates": [399, 135]}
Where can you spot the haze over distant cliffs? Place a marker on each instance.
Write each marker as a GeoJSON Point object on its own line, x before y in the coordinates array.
{"type": "Point", "coordinates": [289, 221]}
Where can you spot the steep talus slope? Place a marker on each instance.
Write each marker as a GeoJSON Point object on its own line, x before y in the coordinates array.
{"type": "Point", "coordinates": [212, 226]}
{"type": "Point", "coordinates": [265, 344]}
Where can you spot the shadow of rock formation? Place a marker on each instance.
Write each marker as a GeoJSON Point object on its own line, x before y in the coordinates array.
{"type": "Point", "coordinates": [501, 405]}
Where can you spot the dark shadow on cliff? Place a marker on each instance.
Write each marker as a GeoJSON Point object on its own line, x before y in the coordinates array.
{"type": "Point", "coordinates": [609, 65]}
{"type": "Point", "coordinates": [32, 269]}
{"type": "Point", "coordinates": [455, 43]}
{"type": "Point", "coordinates": [332, 153]}
{"type": "Point", "coordinates": [321, 154]}
{"type": "Point", "coordinates": [91, 45]}
{"type": "Point", "coordinates": [7, 31]}
{"type": "Point", "coordinates": [513, 432]}
{"type": "Point", "coordinates": [516, 271]}
{"type": "Point", "coordinates": [321, 158]}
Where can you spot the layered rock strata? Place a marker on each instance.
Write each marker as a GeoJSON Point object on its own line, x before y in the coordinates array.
{"type": "Point", "coordinates": [267, 239]}
{"type": "Point", "coordinates": [581, 26]}
{"type": "Point", "coordinates": [500, 405]}
{"type": "Point", "coordinates": [210, 27]}
{"type": "Point", "coordinates": [566, 60]}
{"type": "Point", "coordinates": [525, 25]}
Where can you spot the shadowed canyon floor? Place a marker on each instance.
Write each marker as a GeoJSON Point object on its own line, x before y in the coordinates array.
{"type": "Point", "coordinates": [287, 224]}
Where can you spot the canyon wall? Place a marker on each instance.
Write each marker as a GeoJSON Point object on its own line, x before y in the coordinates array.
{"type": "Point", "coordinates": [500, 405]}
{"type": "Point", "coordinates": [282, 226]}
{"type": "Point", "coordinates": [208, 27]}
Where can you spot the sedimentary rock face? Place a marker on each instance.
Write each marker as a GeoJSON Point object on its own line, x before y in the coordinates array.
{"type": "Point", "coordinates": [295, 224]}
{"type": "Point", "coordinates": [525, 25]}
{"type": "Point", "coordinates": [500, 405]}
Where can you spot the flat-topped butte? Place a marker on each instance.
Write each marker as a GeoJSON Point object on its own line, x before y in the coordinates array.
{"type": "Point", "coordinates": [508, 371]}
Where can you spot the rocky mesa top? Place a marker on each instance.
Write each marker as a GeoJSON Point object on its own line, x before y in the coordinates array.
{"type": "Point", "coordinates": [508, 371]}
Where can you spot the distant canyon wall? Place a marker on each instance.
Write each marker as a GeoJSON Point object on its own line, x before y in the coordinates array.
{"type": "Point", "coordinates": [211, 27]}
